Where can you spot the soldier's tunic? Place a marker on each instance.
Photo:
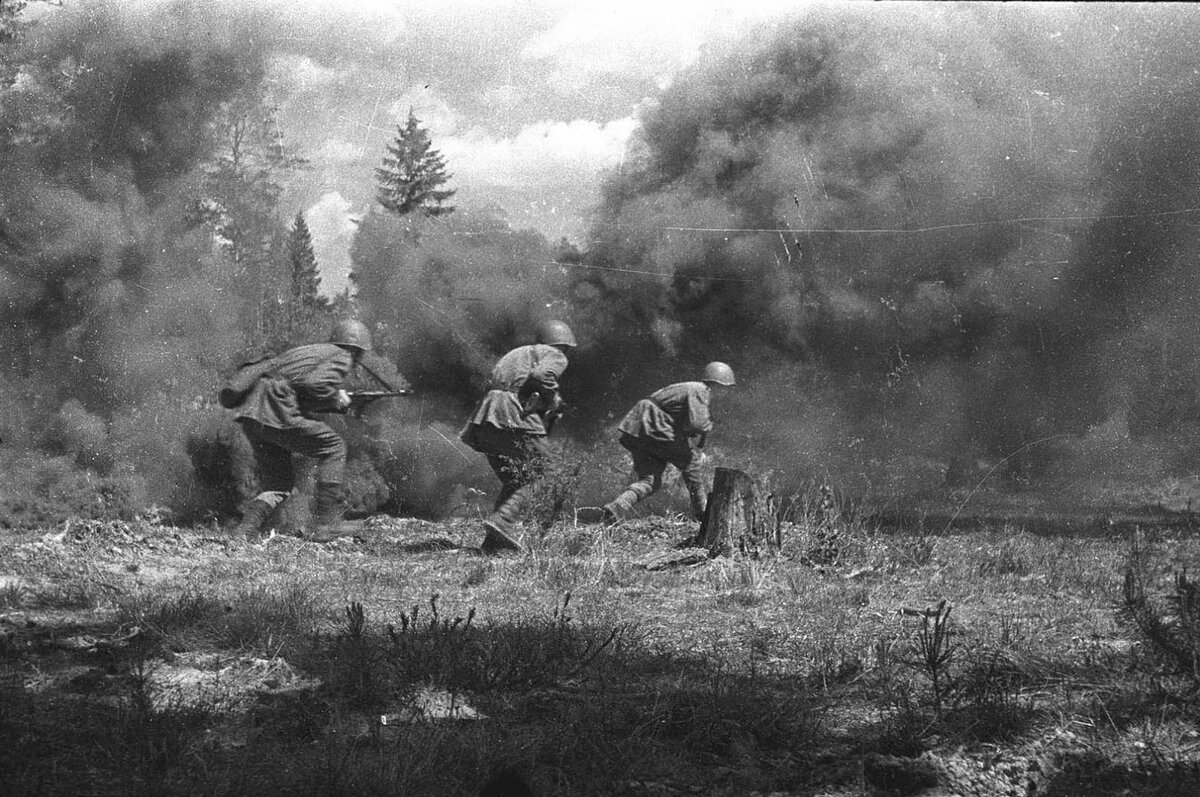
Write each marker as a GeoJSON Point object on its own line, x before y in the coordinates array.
{"type": "Point", "coordinates": [656, 433]}
{"type": "Point", "coordinates": [509, 424]}
{"type": "Point", "coordinates": [277, 416]}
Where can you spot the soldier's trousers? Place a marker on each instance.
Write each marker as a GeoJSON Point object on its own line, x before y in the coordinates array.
{"type": "Point", "coordinates": [650, 461]}
{"type": "Point", "coordinates": [517, 458]}
{"type": "Point", "coordinates": [273, 450]}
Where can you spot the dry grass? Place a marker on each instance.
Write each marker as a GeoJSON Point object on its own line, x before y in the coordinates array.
{"type": "Point", "coordinates": [143, 659]}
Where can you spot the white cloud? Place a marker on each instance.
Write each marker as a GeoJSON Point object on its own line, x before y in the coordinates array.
{"type": "Point", "coordinates": [435, 113]}
{"type": "Point", "coordinates": [302, 73]}
{"type": "Point", "coordinates": [620, 37]}
{"type": "Point", "coordinates": [546, 153]}
{"type": "Point", "coordinates": [650, 39]}
{"type": "Point", "coordinates": [329, 221]}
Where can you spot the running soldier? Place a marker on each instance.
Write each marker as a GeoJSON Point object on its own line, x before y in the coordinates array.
{"type": "Point", "coordinates": [277, 417]}
{"type": "Point", "coordinates": [657, 432]}
{"type": "Point", "coordinates": [511, 424]}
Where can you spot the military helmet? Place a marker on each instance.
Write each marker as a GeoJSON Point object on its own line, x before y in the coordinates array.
{"type": "Point", "coordinates": [351, 334]}
{"type": "Point", "coordinates": [555, 333]}
{"type": "Point", "coordinates": [717, 372]}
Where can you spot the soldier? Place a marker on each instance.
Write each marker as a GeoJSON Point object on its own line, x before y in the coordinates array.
{"type": "Point", "coordinates": [277, 418]}
{"type": "Point", "coordinates": [512, 422]}
{"type": "Point", "coordinates": [657, 431]}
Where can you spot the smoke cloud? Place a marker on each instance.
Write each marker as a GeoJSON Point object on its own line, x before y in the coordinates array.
{"type": "Point", "coordinates": [919, 233]}
{"type": "Point", "coordinates": [117, 313]}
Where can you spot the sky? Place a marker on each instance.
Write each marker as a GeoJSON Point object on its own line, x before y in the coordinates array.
{"type": "Point", "coordinates": [529, 102]}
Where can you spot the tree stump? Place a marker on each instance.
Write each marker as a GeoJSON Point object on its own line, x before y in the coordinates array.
{"type": "Point", "coordinates": [739, 515]}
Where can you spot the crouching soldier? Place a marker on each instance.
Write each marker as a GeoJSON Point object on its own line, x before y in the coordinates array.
{"type": "Point", "coordinates": [512, 422]}
{"type": "Point", "coordinates": [277, 417]}
{"type": "Point", "coordinates": [657, 433]}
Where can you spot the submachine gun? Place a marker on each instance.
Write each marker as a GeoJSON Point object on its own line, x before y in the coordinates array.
{"type": "Point", "coordinates": [361, 399]}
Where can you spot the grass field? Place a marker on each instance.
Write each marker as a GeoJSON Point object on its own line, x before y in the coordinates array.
{"type": "Point", "coordinates": [142, 659]}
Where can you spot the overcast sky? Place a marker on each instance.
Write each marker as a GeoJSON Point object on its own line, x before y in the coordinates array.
{"type": "Point", "coordinates": [529, 101]}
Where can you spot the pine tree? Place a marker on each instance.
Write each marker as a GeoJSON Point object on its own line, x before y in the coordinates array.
{"type": "Point", "coordinates": [306, 278]}
{"type": "Point", "coordinates": [412, 174]}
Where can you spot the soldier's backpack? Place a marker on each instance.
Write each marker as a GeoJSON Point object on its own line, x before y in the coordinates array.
{"type": "Point", "coordinates": [238, 387]}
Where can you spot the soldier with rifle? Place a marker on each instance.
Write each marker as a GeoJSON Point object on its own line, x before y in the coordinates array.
{"type": "Point", "coordinates": [657, 432]}
{"type": "Point", "coordinates": [276, 401]}
{"type": "Point", "coordinates": [510, 425]}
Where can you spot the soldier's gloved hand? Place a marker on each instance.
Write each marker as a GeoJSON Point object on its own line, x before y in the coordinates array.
{"type": "Point", "coordinates": [341, 401]}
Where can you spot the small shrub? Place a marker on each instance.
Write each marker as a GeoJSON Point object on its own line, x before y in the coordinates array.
{"type": "Point", "coordinates": [455, 653]}
{"type": "Point", "coordinates": [260, 617]}
{"type": "Point", "coordinates": [156, 731]}
{"type": "Point", "coordinates": [931, 651]}
{"type": "Point", "coordinates": [1170, 625]}
{"type": "Point", "coordinates": [14, 595]}
{"type": "Point", "coordinates": [552, 495]}
{"type": "Point", "coordinates": [821, 527]}
{"type": "Point", "coordinates": [992, 708]}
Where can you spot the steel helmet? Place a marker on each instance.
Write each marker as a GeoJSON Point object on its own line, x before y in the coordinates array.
{"type": "Point", "coordinates": [555, 333]}
{"type": "Point", "coordinates": [351, 333]}
{"type": "Point", "coordinates": [720, 373]}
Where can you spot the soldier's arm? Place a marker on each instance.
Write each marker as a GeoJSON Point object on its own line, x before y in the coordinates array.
{"type": "Point", "coordinates": [698, 419]}
{"type": "Point", "coordinates": [326, 381]}
{"type": "Point", "coordinates": [543, 380]}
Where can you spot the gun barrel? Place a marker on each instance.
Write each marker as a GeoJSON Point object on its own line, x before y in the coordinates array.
{"type": "Point", "coordinates": [376, 394]}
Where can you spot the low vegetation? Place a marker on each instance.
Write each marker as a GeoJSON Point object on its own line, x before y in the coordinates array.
{"type": "Point", "coordinates": [140, 658]}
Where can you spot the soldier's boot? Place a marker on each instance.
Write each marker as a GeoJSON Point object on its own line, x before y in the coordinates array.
{"type": "Point", "coordinates": [250, 527]}
{"type": "Point", "coordinates": [498, 537]}
{"type": "Point", "coordinates": [621, 507]}
{"type": "Point", "coordinates": [498, 528]}
{"type": "Point", "coordinates": [328, 517]}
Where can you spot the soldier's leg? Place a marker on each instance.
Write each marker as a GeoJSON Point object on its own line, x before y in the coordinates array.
{"type": "Point", "coordinates": [318, 440]}
{"type": "Point", "coordinates": [520, 464]}
{"type": "Point", "coordinates": [526, 466]}
{"type": "Point", "coordinates": [518, 460]}
{"type": "Point", "coordinates": [505, 470]}
{"type": "Point", "coordinates": [275, 475]}
{"type": "Point", "coordinates": [498, 446]}
{"type": "Point", "coordinates": [648, 468]}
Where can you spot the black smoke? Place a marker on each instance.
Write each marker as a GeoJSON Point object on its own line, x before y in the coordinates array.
{"type": "Point", "coordinates": [919, 233]}
{"type": "Point", "coordinates": [118, 311]}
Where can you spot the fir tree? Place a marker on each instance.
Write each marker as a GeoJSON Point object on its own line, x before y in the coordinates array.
{"type": "Point", "coordinates": [306, 278]}
{"type": "Point", "coordinates": [413, 173]}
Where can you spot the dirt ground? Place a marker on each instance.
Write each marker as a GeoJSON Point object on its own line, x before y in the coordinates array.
{"type": "Point", "coordinates": [779, 675]}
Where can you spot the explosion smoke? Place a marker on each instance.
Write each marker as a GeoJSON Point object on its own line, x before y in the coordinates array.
{"type": "Point", "coordinates": [113, 304]}
{"type": "Point", "coordinates": [920, 231]}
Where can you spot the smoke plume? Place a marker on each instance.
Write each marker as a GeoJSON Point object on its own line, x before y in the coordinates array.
{"type": "Point", "coordinates": [919, 233]}
{"type": "Point", "coordinates": [117, 311]}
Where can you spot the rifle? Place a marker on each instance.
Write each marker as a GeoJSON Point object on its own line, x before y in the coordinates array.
{"type": "Point", "coordinates": [361, 399]}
